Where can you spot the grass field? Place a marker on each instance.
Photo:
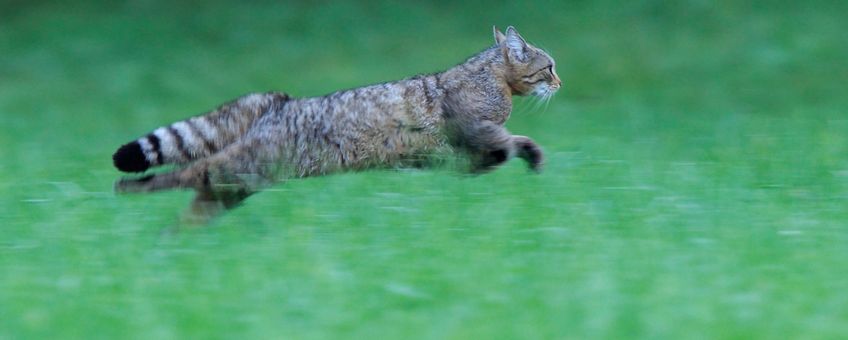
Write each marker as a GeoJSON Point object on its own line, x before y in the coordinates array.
{"type": "Point", "coordinates": [696, 182]}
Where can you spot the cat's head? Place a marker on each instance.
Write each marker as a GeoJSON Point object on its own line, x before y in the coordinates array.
{"type": "Point", "coordinates": [529, 69]}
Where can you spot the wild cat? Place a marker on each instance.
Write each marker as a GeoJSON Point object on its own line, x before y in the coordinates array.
{"type": "Point", "coordinates": [248, 144]}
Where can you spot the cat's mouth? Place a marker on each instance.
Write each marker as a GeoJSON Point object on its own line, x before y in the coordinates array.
{"type": "Point", "coordinates": [545, 90]}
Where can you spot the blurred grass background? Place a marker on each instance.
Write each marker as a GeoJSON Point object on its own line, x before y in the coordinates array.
{"type": "Point", "coordinates": [696, 182]}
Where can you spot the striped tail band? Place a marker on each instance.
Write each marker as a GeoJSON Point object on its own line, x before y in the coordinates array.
{"type": "Point", "coordinates": [180, 142]}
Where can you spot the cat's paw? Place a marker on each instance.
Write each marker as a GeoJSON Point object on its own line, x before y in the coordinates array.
{"type": "Point", "coordinates": [529, 151]}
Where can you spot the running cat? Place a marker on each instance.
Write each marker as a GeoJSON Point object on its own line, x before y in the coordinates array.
{"type": "Point", "coordinates": [246, 145]}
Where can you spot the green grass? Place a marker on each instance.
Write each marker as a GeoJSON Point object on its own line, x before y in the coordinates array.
{"type": "Point", "coordinates": [696, 182]}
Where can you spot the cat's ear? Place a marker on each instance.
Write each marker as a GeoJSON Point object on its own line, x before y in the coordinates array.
{"type": "Point", "coordinates": [499, 37]}
{"type": "Point", "coordinates": [515, 45]}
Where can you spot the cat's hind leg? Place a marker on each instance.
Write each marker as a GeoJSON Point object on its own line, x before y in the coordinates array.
{"type": "Point", "coordinates": [221, 181]}
{"type": "Point", "coordinates": [208, 204]}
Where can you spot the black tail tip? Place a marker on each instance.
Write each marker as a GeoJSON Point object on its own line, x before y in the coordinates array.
{"type": "Point", "coordinates": [130, 158]}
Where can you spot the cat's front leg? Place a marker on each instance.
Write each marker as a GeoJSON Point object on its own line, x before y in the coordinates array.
{"type": "Point", "coordinates": [491, 145]}
{"type": "Point", "coordinates": [487, 144]}
{"type": "Point", "coordinates": [519, 146]}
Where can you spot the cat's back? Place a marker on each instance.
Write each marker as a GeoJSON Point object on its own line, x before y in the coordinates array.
{"type": "Point", "coordinates": [414, 103]}
{"type": "Point", "coordinates": [382, 123]}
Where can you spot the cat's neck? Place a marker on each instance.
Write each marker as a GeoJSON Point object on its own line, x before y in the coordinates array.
{"type": "Point", "coordinates": [478, 87]}
{"type": "Point", "coordinates": [479, 62]}
{"type": "Point", "coordinates": [484, 70]}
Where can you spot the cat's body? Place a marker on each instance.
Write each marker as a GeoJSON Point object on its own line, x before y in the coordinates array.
{"type": "Point", "coordinates": [258, 139]}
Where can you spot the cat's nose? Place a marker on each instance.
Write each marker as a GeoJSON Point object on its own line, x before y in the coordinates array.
{"type": "Point", "coordinates": [557, 83]}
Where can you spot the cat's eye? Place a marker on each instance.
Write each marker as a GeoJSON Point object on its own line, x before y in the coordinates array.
{"type": "Point", "coordinates": [539, 75]}
{"type": "Point", "coordinates": [548, 68]}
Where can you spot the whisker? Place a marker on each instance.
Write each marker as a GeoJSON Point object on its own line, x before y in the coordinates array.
{"type": "Point", "coordinates": [524, 106]}
{"type": "Point", "coordinates": [537, 103]}
{"type": "Point", "coordinates": [548, 97]}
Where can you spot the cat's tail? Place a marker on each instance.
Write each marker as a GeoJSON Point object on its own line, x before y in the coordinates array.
{"type": "Point", "coordinates": [196, 137]}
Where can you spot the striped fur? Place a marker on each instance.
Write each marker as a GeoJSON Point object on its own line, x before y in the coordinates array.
{"type": "Point", "coordinates": [197, 137]}
{"type": "Point", "coordinates": [259, 139]}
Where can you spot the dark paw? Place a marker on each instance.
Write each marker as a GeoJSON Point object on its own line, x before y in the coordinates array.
{"type": "Point", "coordinates": [497, 156]}
{"type": "Point", "coordinates": [489, 160]}
{"type": "Point", "coordinates": [532, 153]}
{"type": "Point", "coordinates": [535, 159]}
